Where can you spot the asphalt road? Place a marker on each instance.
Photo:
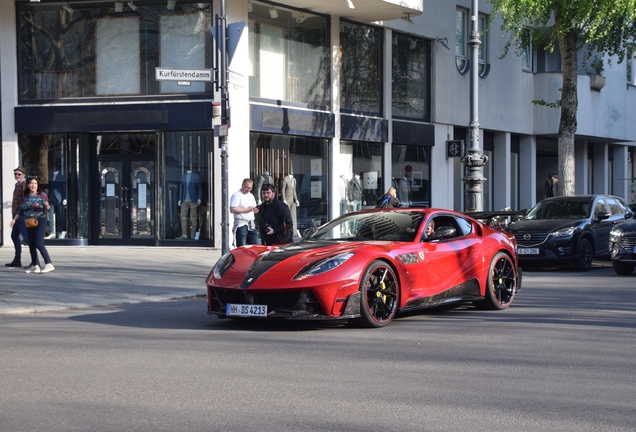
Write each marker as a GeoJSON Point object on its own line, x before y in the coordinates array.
{"type": "Point", "coordinates": [560, 359]}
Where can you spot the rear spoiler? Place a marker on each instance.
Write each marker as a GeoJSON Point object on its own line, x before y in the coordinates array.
{"type": "Point", "coordinates": [498, 220]}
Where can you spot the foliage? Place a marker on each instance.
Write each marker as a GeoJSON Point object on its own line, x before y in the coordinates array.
{"type": "Point", "coordinates": [596, 28]}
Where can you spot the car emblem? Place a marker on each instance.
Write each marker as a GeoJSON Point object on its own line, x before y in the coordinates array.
{"type": "Point", "coordinates": [527, 236]}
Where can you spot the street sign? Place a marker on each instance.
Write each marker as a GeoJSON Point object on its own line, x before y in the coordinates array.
{"type": "Point", "coordinates": [235, 79]}
{"type": "Point", "coordinates": [454, 148]}
{"type": "Point", "coordinates": [168, 74]}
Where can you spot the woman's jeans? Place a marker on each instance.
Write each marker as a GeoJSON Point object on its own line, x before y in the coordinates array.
{"type": "Point", "coordinates": [35, 238]}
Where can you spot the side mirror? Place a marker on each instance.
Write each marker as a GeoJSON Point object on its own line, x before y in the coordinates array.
{"type": "Point", "coordinates": [602, 216]}
{"type": "Point", "coordinates": [445, 232]}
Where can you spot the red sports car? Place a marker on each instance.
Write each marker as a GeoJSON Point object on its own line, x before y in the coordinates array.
{"type": "Point", "coordinates": [369, 266]}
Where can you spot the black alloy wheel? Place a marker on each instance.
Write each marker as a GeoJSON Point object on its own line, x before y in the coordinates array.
{"type": "Point", "coordinates": [380, 292]}
{"type": "Point", "coordinates": [501, 285]}
{"type": "Point", "coordinates": [584, 255]}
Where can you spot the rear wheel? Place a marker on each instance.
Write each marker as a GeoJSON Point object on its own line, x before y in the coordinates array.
{"type": "Point", "coordinates": [501, 285]}
{"type": "Point", "coordinates": [622, 268]}
{"type": "Point", "coordinates": [379, 295]}
{"type": "Point", "coordinates": [584, 255]}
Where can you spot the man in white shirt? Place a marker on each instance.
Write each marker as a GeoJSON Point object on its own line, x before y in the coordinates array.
{"type": "Point", "coordinates": [243, 207]}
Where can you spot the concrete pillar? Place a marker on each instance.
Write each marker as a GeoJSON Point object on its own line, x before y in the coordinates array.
{"type": "Point", "coordinates": [335, 170]}
{"type": "Point", "coordinates": [527, 171]}
{"type": "Point", "coordinates": [387, 107]}
{"type": "Point", "coordinates": [581, 168]}
{"type": "Point", "coordinates": [501, 171]}
{"type": "Point", "coordinates": [620, 174]}
{"type": "Point", "coordinates": [11, 157]}
{"type": "Point", "coordinates": [600, 183]}
{"type": "Point", "coordinates": [442, 172]}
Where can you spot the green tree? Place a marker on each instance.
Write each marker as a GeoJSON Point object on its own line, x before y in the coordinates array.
{"type": "Point", "coordinates": [602, 28]}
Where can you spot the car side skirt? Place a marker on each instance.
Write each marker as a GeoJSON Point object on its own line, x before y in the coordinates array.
{"type": "Point", "coordinates": [465, 292]}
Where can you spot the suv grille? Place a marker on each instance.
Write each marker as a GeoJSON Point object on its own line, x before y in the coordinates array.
{"type": "Point", "coordinates": [534, 240]}
{"type": "Point", "coordinates": [628, 242]}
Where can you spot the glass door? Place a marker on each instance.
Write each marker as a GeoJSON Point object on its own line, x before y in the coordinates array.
{"type": "Point", "coordinates": [126, 192]}
{"type": "Point", "coordinates": [126, 209]}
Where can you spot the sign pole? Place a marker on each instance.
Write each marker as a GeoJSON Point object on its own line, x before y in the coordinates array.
{"type": "Point", "coordinates": [225, 120]}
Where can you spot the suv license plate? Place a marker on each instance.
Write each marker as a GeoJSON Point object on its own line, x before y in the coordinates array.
{"type": "Point", "coordinates": [246, 310]}
{"type": "Point", "coordinates": [528, 251]}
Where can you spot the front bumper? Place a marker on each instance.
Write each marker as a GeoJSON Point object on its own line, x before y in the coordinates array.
{"type": "Point", "coordinates": [298, 304]}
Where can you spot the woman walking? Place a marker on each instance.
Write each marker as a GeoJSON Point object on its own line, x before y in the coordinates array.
{"type": "Point", "coordinates": [33, 206]}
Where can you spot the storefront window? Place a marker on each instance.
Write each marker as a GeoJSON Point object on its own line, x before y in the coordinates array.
{"type": "Point", "coordinates": [186, 203]}
{"type": "Point", "coordinates": [289, 55]}
{"type": "Point", "coordinates": [411, 174]}
{"type": "Point", "coordinates": [94, 50]}
{"type": "Point", "coordinates": [297, 161]}
{"type": "Point", "coordinates": [61, 163]}
{"type": "Point", "coordinates": [361, 63]}
{"type": "Point", "coordinates": [411, 77]}
{"type": "Point", "coordinates": [360, 166]}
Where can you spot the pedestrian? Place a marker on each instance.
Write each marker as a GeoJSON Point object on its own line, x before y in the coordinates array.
{"type": "Point", "coordinates": [18, 228]}
{"type": "Point", "coordinates": [274, 218]}
{"type": "Point", "coordinates": [33, 205]}
{"type": "Point", "coordinates": [243, 207]}
{"type": "Point", "coordinates": [389, 199]}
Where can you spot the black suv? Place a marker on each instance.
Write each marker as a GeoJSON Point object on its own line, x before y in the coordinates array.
{"type": "Point", "coordinates": [622, 244]}
{"type": "Point", "coordinates": [568, 229]}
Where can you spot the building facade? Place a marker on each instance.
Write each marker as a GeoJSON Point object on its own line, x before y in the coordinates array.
{"type": "Point", "coordinates": [332, 104]}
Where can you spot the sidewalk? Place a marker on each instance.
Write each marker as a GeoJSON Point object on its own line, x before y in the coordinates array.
{"type": "Point", "coordinates": [88, 276]}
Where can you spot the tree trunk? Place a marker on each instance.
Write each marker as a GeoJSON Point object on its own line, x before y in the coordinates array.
{"type": "Point", "coordinates": [569, 105]}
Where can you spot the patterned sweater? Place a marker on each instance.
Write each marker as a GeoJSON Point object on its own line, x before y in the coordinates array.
{"type": "Point", "coordinates": [33, 205]}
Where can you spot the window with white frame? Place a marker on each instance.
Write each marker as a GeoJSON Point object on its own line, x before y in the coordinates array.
{"type": "Point", "coordinates": [483, 47]}
{"type": "Point", "coordinates": [631, 71]}
{"type": "Point", "coordinates": [527, 63]}
{"type": "Point", "coordinates": [461, 31]}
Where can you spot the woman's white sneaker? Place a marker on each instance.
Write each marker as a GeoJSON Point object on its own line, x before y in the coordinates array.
{"type": "Point", "coordinates": [34, 269]}
{"type": "Point", "coordinates": [48, 268]}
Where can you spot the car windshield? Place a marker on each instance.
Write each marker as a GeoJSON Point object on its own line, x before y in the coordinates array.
{"type": "Point", "coordinates": [561, 209]}
{"type": "Point", "coordinates": [385, 225]}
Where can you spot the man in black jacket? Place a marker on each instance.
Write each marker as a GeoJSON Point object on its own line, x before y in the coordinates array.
{"type": "Point", "coordinates": [274, 218]}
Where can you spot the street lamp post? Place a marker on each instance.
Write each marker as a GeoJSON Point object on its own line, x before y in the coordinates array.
{"type": "Point", "coordinates": [222, 47]}
{"type": "Point", "coordinates": [474, 160]}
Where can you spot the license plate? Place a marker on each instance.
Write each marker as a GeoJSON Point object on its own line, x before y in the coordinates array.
{"type": "Point", "coordinates": [527, 251]}
{"type": "Point", "coordinates": [246, 310]}
{"type": "Point", "coordinates": [633, 249]}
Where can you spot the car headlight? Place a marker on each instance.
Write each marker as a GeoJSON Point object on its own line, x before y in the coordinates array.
{"type": "Point", "coordinates": [565, 232]}
{"type": "Point", "coordinates": [223, 265]}
{"type": "Point", "coordinates": [615, 234]}
{"type": "Point", "coordinates": [323, 266]}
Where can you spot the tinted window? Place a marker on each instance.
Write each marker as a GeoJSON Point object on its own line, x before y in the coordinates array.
{"type": "Point", "coordinates": [465, 226]}
{"type": "Point", "coordinates": [614, 206]}
{"type": "Point", "coordinates": [600, 207]}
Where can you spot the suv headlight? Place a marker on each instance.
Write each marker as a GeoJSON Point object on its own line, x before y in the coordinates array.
{"type": "Point", "coordinates": [323, 266]}
{"type": "Point", "coordinates": [615, 234]}
{"type": "Point", "coordinates": [565, 232]}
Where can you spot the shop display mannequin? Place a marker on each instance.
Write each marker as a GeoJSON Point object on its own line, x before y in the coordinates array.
{"type": "Point", "coordinates": [264, 178]}
{"type": "Point", "coordinates": [189, 200]}
{"type": "Point", "coordinates": [288, 193]}
{"type": "Point", "coordinates": [343, 189]}
{"type": "Point", "coordinates": [355, 193]}
{"type": "Point", "coordinates": [57, 199]}
{"type": "Point", "coordinates": [404, 192]}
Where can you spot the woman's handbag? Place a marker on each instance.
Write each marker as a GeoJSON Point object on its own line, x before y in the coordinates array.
{"type": "Point", "coordinates": [31, 222]}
